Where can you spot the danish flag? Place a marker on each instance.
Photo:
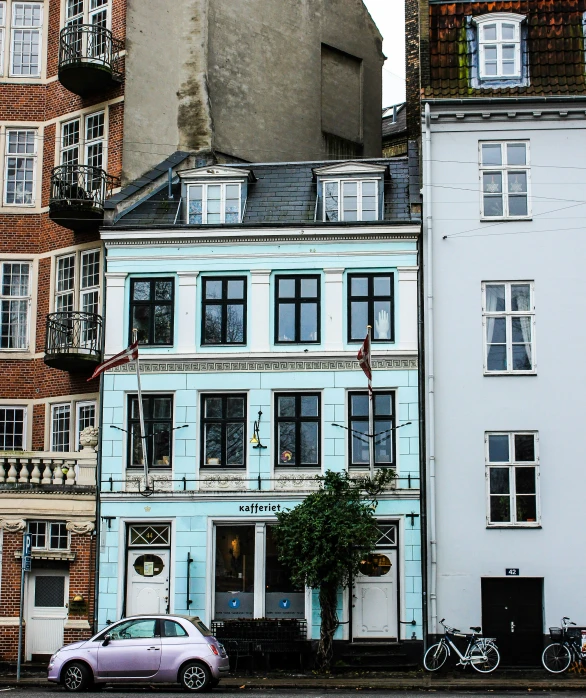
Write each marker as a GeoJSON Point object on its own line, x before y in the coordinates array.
{"type": "Point", "coordinates": [364, 361]}
{"type": "Point", "coordinates": [124, 357]}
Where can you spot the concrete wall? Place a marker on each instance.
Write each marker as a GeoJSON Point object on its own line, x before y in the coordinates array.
{"type": "Point", "coordinates": [246, 77]}
{"type": "Point", "coordinates": [549, 250]}
{"type": "Point", "coordinates": [166, 100]}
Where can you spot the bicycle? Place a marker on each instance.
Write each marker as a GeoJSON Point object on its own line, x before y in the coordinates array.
{"type": "Point", "coordinates": [482, 652]}
{"type": "Point", "coordinates": [566, 648]}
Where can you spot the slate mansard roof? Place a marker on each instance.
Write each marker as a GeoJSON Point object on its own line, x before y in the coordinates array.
{"type": "Point", "coordinates": [554, 47]}
{"type": "Point", "coordinates": [281, 193]}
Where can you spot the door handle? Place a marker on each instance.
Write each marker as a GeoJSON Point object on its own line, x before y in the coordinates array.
{"type": "Point", "coordinates": [512, 626]}
{"type": "Point", "coordinates": [153, 648]}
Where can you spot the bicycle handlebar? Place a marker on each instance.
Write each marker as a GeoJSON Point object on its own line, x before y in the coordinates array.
{"type": "Point", "coordinates": [566, 621]}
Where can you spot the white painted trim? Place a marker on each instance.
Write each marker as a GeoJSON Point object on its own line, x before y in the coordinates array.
{"type": "Point", "coordinates": [206, 173]}
{"type": "Point", "coordinates": [351, 168]}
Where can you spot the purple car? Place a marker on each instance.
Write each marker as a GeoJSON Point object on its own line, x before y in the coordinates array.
{"type": "Point", "coordinates": [150, 649]}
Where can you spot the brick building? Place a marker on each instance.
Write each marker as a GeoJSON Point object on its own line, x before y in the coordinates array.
{"type": "Point", "coordinates": [78, 116]}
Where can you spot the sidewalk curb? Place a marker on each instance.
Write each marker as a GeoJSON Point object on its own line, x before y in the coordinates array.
{"type": "Point", "coordinates": [414, 684]}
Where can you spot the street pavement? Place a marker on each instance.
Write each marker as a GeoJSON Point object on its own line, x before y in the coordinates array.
{"type": "Point", "coordinates": [275, 693]}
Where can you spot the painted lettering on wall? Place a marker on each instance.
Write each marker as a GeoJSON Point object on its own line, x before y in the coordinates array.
{"type": "Point", "coordinates": [257, 508]}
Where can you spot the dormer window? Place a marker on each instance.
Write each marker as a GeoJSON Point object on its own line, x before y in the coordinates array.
{"type": "Point", "coordinates": [214, 203]}
{"type": "Point", "coordinates": [215, 195]}
{"type": "Point", "coordinates": [350, 200]}
{"type": "Point", "coordinates": [350, 192]}
{"type": "Point", "coordinates": [500, 56]}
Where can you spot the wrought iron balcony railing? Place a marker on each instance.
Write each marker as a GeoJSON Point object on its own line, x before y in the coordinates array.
{"type": "Point", "coordinates": [73, 341]}
{"type": "Point", "coordinates": [78, 193]}
{"type": "Point", "coordinates": [89, 58]}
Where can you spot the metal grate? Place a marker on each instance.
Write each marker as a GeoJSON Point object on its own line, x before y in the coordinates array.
{"type": "Point", "coordinates": [49, 591]}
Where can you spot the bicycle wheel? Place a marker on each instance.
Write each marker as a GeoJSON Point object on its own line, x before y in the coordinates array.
{"type": "Point", "coordinates": [435, 657]}
{"type": "Point", "coordinates": [556, 658]}
{"type": "Point", "coordinates": [484, 657]}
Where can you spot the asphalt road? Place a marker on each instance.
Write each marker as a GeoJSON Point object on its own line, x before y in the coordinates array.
{"type": "Point", "coordinates": [306, 693]}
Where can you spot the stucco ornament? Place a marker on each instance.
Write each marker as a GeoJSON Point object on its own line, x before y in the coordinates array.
{"type": "Point", "coordinates": [13, 525]}
{"type": "Point", "coordinates": [80, 528]}
{"type": "Point", "coordinates": [88, 438]}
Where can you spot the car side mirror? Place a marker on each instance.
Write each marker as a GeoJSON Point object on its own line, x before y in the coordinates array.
{"type": "Point", "coordinates": [107, 638]}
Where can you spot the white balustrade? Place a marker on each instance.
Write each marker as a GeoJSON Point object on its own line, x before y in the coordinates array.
{"type": "Point", "coordinates": [41, 469]}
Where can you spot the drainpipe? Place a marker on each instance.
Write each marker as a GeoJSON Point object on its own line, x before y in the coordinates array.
{"type": "Point", "coordinates": [430, 377]}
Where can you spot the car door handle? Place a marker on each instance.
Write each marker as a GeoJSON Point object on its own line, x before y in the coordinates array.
{"type": "Point", "coordinates": [153, 648]}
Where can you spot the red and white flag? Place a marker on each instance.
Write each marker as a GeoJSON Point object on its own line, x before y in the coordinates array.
{"type": "Point", "coordinates": [364, 360]}
{"type": "Point", "coordinates": [124, 357]}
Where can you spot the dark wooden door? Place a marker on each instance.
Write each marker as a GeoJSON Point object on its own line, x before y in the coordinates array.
{"type": "Point", "coordinates": [512, 611]}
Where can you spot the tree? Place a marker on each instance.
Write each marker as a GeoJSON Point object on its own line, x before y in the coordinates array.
{"type": "Point", "coordinates": [324, 539]}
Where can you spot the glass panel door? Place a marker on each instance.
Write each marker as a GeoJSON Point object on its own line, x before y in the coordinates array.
{"type": "Point", "coordinates": [234, 573]}
{"type": "Point", "coordinates": [282, 598]}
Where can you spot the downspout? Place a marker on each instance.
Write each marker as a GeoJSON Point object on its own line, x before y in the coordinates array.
{"type": "Point", "coordinates": [430, 416]}
{"type": "Point", "coordinates": [99, 469]}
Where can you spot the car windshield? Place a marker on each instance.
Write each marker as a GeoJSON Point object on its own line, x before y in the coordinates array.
{"type": "Point", "coordinates": [200, 626]}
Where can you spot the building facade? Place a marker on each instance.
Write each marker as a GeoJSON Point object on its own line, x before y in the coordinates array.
{"type": "Point", "coordinates": [503, 93]}
{"type": "Point", "coordinates": [78, 116]}
{"type": "Point", "coordinates": [250, 288]}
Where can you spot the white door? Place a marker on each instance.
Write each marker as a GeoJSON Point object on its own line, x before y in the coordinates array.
{"type": "Point", "coordinates": [148, 582]}
{"type": "Point", "coordinates": [374, 612]}
{"type": "Point", "coordinates": [46, 612]}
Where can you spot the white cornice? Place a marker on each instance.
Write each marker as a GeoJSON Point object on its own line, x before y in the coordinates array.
{"type": "Point", "coordinates": [215, 171]}
{"type": "Point", "coordinates": [350, 168]}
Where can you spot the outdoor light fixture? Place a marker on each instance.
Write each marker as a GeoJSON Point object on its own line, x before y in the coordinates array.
{"type": "Point", "coordinates": [255, 441]}
{"type": "Point", "coordinates": [78, 598]}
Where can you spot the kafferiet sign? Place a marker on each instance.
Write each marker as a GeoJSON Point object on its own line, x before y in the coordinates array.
{"type": "Point", "coordinates": [257, 508]}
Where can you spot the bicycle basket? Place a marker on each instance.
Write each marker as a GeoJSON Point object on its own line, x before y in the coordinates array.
{"type": "Point", "coordinates": [556, 634]}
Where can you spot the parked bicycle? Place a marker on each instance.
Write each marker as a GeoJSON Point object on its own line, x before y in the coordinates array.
{"type": "Point", "coordinates": [481, 653]}
{"type": "Point", "coordinates": [565, 649]}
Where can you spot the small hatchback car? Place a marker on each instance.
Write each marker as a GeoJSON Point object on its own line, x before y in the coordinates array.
{"type": "Point", "coordinates": [150, 649]}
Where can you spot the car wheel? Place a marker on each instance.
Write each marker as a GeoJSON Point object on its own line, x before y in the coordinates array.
{"type": "Point", "coordinates": [195, 677]}
{"type": "Point", "coordinates": [76, 677]}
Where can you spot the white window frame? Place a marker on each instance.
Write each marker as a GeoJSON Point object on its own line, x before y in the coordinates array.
{"type": "Point", "coordinates": [88, 13]}
{"type": "Point", "coordinates": [78, 407]}
{"type": "Point", "coordinates": [75, 407]}
{"type": "Point", "coordinates": [28, 156]}
{"type": "Point", "coordinates": [508, 314]}
{"type": "Point", "coordinates": [38, 29]}
{"type": "Point", "coordinates": [204, 214]}
{"type": "Point", "coordinates": [84, 143]}
{"type": "Point", "coordinates": [341, 183]}
{"type": "Point", "coordinates": [55, 406]}
{"type": "Point", "coordinates": [512, 465]}
{"type": "Point", "coordinates": [48, 525]}
{"type": "Point", "coordinates": [27, 298]}
{"type": "Point", "coordinates": [2, 34]}
{"type": "Point", "coordinates": [505, 170]}
{"type": "Point", "coordinates": [78, 291]}
{"type": "Point", "coordinates": [499, 19]}
{"type": "Point", "coordinates": [24, 425]}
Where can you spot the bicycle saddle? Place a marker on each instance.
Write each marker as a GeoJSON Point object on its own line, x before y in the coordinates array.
{"type": "Point", "coordinates": [476, 628]}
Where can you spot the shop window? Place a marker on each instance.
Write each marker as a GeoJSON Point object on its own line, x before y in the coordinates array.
{"type": "Point", "coordinates": [282, 598]}
{"type": "Point", "coordinates": [234, 573]}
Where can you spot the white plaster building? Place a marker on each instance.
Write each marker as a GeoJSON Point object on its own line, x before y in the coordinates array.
{"type": "Point", "coordinates": [504, 245]}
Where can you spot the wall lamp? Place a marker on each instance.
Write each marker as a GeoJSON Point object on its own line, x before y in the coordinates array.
{"type": "Point", "coordinates": [255, 441]}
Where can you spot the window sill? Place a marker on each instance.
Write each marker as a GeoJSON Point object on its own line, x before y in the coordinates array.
{"type": "Point", "coordinates": [504, 219]}
{"type": "Point", "coordinates": [510, 373]}
{"type": "Point", "coordinates": [223, 468]}
{"type": "Point", "coordinates": [312, 468]}
{"type": "Point", "coordinates": [514, 526]}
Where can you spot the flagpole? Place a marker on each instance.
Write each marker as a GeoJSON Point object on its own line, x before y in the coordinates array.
{"type": "Point", "coordinates": [370, 410]}
{"type": "Point", "coordinates": [141, 417]}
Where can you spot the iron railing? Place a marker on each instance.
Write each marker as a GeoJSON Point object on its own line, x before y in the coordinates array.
{"type": "Point", "coordinates": [90, 44]}
{"type": "Point", "coordinates": [80, 187]}
{"type": "Point", "coordinates": [74, 333]}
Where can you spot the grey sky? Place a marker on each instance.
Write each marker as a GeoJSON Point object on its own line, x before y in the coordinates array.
{"type": "Point", "coordinates": [389, 16]}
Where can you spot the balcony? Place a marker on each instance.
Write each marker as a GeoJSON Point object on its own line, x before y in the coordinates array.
{"type": "Point", "coordinates": [48, 471]}
{"type": "Point", "coordinates": [78, 193]}
{"type": "Point", "coordinates": [73, 341]}
{"type": "Point", "coordinates": [89, 59]}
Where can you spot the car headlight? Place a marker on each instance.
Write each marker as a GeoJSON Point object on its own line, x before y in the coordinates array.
{"type": "Point", "coordinates": [53, 658]}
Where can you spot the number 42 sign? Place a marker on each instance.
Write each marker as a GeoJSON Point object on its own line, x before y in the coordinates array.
{"type": "Point", "coordinates": [512, 572]}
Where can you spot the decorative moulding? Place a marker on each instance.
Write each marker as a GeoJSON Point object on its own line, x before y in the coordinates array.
{"type": "Point", "coordinates": [80, 528]}
{"type": "Point", "coordinates": [350, 168]}
{"type": "Point", "coordinates": [400, 363]}
{"type": "Point", "coordinates": [12, 525]}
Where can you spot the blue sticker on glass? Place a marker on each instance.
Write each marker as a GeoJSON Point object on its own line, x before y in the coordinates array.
{"type": "Point", "coordinates": [234, 603]}
{"type": "Point", "coordinates": [284, 603]}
